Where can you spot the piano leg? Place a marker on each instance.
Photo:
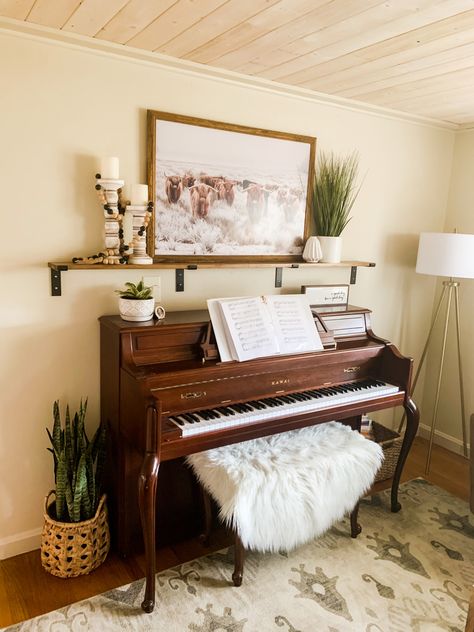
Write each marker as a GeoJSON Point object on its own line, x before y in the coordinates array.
{"type": "Point", "coordinates": [147, 501]}
{"type": "Point", "coordinates": [147, 483]}
{"type": "Point", "coordinates": [413, 418]}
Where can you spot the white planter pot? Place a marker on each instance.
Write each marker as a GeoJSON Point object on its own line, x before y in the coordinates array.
{"type": "Point", "coordinates": [331, 247]}
{"type": "Point", "coordinates": [312, 251]}
{"type": "Point", "coordinates": [136, 310]}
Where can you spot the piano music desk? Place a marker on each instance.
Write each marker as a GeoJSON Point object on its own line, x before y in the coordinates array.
{"type": "Point", "coordinates": [152, 373]}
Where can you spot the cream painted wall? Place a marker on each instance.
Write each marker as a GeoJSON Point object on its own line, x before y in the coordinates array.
{"type": "Point", "coordinates": [460, 216]}
{"type": "Point", "coordinates": [61, 109]}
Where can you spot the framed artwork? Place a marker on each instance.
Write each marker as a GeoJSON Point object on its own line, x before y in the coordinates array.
{"type": "Point", "coordinates": [227, 193]}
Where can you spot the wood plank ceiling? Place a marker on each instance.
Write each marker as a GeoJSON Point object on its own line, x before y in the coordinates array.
{"type": "Point", "coordinates": [416, 56]}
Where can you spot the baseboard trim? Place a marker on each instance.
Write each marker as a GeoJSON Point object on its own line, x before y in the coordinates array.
{"type": "Point", "coordinates": [20, 543]}
{"type": "Point", "coordinates": [444, 440]}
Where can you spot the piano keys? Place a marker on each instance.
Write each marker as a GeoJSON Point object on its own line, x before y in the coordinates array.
{"type": "Point", "coordinates": [161, 401]}
{"type": "Point", "coordinates": [254, 411]}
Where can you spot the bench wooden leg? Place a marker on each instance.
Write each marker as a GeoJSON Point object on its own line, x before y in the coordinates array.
{"type": "Point", "coordinates": [239, 555]}
{"type": "Point", "coordinates": [207, 511]}
{"type": "Point", "coordinates": [355, 526]}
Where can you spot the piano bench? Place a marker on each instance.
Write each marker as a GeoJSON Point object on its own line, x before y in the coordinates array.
{"type": "Point", "coordinates": [281, 491]}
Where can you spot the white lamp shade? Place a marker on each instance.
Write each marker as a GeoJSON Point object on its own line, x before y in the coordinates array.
{"type": "Point", "coordinates": [446, 254]}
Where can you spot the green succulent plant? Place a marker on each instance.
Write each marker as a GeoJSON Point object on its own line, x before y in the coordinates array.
{"type": "Point", "coordinates": [136, 292]}
{"type": "Point", "coordinates": [334, 193]}
{"type": "Point", "coordinates": [78, 465]}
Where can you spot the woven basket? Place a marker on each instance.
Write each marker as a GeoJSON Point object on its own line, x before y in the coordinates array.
{"type": "Point", "coordinates": [69, 549]}
{"type": "Point", "coordinates": [391, 443]}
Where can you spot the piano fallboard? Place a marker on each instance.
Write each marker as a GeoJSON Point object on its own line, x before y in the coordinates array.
{"type": "Point", "coordinates": [209, 385]}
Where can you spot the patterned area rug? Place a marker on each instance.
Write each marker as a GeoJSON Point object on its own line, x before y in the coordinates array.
{"type": "Point", "coordinates": [406, 572]}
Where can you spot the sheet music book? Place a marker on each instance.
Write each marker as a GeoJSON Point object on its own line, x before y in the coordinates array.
{"type": "Point", "coordinates": [260, 326]}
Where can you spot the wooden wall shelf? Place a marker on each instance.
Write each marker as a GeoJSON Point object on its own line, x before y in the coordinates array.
{"type": "Point", "coordinates": [57, 268]}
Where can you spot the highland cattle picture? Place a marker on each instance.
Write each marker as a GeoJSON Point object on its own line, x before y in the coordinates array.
{"type": "Point", "coordinates": [223, 191]}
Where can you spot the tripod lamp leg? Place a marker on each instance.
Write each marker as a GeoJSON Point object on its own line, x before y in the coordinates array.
{"type": "Point", "coordinates": [438, 386]}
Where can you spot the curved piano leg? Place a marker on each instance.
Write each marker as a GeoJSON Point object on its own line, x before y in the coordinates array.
{"type": "Point", "coordinates": [147, 482]}
{"type": "Point", "coordinates": [147, 500]}
{"type": "Point", "coordinates": [413, 417]}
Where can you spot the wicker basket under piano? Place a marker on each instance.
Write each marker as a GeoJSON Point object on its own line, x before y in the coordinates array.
{"type": "Point", "coordinates": [391, 443]}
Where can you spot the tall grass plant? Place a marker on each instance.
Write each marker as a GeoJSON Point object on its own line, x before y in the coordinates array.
{"type": "Point", "coordinates": [335, 189]}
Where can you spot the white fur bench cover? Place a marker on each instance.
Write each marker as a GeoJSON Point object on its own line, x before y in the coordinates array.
{"type": "Point", "coordinates": [280, 491]}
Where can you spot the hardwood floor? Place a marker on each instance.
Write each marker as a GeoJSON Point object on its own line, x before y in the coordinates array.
{"type": "Point", "coordinates": [26, 590]}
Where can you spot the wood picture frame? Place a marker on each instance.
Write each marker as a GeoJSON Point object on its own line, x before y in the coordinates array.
{"type": "Point", "coordinates": [227, 193]}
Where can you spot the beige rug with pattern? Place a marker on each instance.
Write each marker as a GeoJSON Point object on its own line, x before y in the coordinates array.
{"type": "Point", "coordinates": [407, 572]}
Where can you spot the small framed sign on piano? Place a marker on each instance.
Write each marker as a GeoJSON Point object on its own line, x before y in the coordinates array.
{"type": "Point", "coordinates": [322, 296]}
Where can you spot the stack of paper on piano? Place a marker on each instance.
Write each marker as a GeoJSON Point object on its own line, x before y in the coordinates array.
{"type": "Point", "coordinates": [260, 326]}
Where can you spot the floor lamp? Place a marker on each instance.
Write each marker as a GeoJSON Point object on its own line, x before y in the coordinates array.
{"type": "Point", "coordinates": [446, 255]}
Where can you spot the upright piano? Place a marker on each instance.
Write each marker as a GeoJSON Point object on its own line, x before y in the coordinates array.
{"type": "Point", "coordinates": [164, 396]}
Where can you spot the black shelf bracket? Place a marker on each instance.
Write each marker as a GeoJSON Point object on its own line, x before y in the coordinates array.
{"type": "Point", "coordinates": [353, 275]}
{"type": "Point", "coordinates": [56, 279]}
{"type": "Point", "coordinates": [179, 276]}
{"type": "Point", "coordinates": [278, 277]}
{"type": "Point", "coordinates": [179, 280]}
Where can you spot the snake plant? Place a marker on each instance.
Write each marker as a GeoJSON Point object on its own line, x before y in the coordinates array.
{"type": "Point", "coordinates": [78, 465]}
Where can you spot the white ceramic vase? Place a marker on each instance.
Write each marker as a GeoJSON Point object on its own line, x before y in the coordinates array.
{"type": "Point", "coordinates": [331, 247]}
{"type": "Point", "coordinates": [312, 252]}
{"type": "Point", "coordinates": [136, 310]}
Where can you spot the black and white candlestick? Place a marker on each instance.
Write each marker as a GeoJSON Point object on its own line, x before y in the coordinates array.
{"type": "Point", "coordinates": [108, 185]}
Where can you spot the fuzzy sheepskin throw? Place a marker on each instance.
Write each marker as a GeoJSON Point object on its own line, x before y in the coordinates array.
{"type": "Point", "coordinates": [280, 491]}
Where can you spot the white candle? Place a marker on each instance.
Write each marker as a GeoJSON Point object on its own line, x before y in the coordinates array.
{"type": "Point", "coordinates": [109, 168]}
{"type": "Point", "coordinates": [139, 194]}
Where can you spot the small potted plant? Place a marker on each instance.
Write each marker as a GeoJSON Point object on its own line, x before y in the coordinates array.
{"type": "Point", "coordinates": [334, 192]}
{"type": "Point", "coordinates": [75, 538]}
{"type": "Point", "coordinates": [136, 302]}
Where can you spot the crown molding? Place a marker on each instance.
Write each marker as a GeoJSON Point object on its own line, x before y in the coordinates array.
{"type": "Point", "coordinates": [36, 32]}
{"type": "Point", "coordinates": [465, 127]}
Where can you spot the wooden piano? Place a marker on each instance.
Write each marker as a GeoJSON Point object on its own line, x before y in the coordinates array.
{"type": "Point", "coordinates": [161, 401]}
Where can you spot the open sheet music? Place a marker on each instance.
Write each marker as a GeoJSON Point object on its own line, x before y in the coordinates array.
{"type": "Point", "coordinates": [261, 326]}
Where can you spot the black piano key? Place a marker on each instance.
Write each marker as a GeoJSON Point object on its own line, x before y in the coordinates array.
{"type": "Point", "coordinates": [188, 417]}
{"type": "Point", "coordinates": [246, 408]}
{"type": "Point", "coordinates": [204, 414]}
{"type": "Point", "coordinates": [302, 397]}
{"type": "Point", "coordinates": [177, 420]}
{"type": "Point", "coordinates": [271, 403]}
